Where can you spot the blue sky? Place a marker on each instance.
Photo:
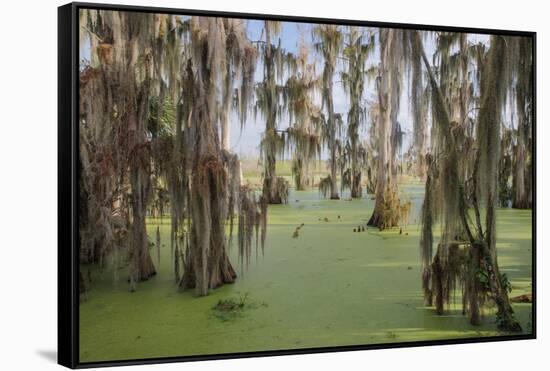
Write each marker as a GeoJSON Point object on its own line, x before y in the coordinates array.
{"type": "Point", "coordinates": [246, 142]}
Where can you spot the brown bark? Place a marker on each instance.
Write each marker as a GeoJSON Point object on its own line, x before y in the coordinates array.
{"type": "Point", "coordinates": [270, 182]}
{"type": "Point", "coordinates": [388, 101]}
{"type": "Point", "coordinates": [438, 285]}
{"type": "Point", "coordinates": [332, 138]}
{"type": "Point", "coordinates": [492, 91]}
{"type": "Point", "coordinates": [356, 189]}
{"type": "Point", "coordinates": [142, 265]}
{"type": "Point", "coordinates": [483, 255]}
{"type": "Point", "coordinates": [521, 200]}
{"type": "Point", "coordinates": [269, 189]}
{"type": "Point", "coordinates": [473, 286]}
{"type": "Point", "coordinates": [207, 265]}
{"type": "Point", "coordinates": [523, 86]}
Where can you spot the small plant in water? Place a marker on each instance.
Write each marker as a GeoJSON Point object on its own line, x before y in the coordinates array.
{"type": "Point", "coordinates": [391, 335]}
{"type": "Point", "coordinates": [228, 309]}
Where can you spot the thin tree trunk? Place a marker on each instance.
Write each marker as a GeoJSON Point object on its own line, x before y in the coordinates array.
{"type": "Point", "coordinates": [332, 127]}
{"type": "Point", "coordinates": [419, 113]}
{"type": "Point", "coordinates": [521, 199]}
{"type": "Point", "coordinates": [158, 246]}
{"type": "Point", "coordinates": [473, 286]}
{"type": "Point", "coordinates": [356, 191]}
{"type": "Point", "coordinates": [269, 189]}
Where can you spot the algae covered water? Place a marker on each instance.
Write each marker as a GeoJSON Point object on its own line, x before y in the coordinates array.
{"type": "Point", "coordinates": [325, 286]}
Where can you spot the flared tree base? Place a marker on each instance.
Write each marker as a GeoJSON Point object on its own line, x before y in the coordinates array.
{"type": "Point", "coordinates": [217, 274]}
{"type": "Point", "coordinates": [381, 222]}
{"type": "Point", "coordinates": [276, 193]}
{"type": "Point", "coordinates": [146, 267]}
{"type": "Point", "coordinates": [141, 270]}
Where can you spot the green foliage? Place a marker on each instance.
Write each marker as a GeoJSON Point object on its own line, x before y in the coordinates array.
{"type": "Point", "coordinates": [505, 283]}
{"type": "Point", "coordinates": [507, 323]}
{"type": "Point", "coordinates": [232, 308]}
{"type": "Point", "coordinates": [162, 117]}
{"type": "Point", "coordinates": [483, 279]}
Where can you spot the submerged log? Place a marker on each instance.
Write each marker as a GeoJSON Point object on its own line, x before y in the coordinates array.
{"type": "Point", "coordinates": [526, 298]}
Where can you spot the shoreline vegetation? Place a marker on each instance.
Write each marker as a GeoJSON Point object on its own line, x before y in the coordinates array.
{"type": "Point", "coordinates": [389, 198]}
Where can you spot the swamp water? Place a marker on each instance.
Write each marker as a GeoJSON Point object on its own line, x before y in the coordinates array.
{"type": "Point", "coordinates": [329, 286]}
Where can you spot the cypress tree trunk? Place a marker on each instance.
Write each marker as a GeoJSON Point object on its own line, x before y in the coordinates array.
{"type": "Point", "coordinates": [329, 46]}
{"type": "Point", "coordinates": [383, 173]}
{"type": "Point", "coordinates": [426, 236]}
{"type": "Point", "coordinates": [388, 98]}
{"type": "Point", "coordinates": [301, 174]}
{"type": "Point", "coordinates": [419, 111]}
{"type": "Point", "coordinates": [332, 138]}
{"type": "Point", "coordinates": [473, 288]}
{"type": "Point", "coordinates": [142, 264]}
{"type": "Point", "coordinates": [226, 132]}
{"type": "Point", "coordinates": [492, 99]}
{"type": "Point", "coordinates": [225, 119]}
{"type": "Point", "coordinates": [140, 185]}
{"type": "Point", "coordinates": [142, 267]}
{"type": "Point", "coordinates": [356, 191]}
{"type": "Point", "coordinates": [158, 245]}
{"type": "Point", "coordinates": [357, 52]}
{"type": "Point", "coordinates": [521, 183]}
{"type": "Point", "coordinates": [206, 263]}
{"type": "Point", "coordinates": [208, 266]}
{"type": "Point", "coordinates": [483, 255]}
{"type": "Point", "coordinates": [521, 200]}
{"type": "Point", "coordinates": [269, 190]}
{"type": "Point", "coordinates": [520, 194]}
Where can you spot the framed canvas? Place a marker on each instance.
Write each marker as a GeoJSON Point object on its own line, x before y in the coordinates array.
{"type": "Point", "coordinates": [239, 185]}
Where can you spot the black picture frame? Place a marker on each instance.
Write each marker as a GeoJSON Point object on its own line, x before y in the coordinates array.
{"type": "Point", "coordinates": [68, 240]}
